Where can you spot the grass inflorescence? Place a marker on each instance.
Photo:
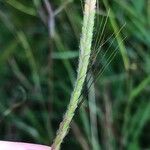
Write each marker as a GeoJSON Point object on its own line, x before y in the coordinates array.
{"type": "Point", "coordinates": [85, 51]}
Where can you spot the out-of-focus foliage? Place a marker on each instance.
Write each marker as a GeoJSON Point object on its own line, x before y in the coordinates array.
{"type": "Point", "coordinates": [38, 61]}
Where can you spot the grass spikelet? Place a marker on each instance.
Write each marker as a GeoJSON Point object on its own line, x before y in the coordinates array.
{"type": "Point", "coordinates": [85, 51]}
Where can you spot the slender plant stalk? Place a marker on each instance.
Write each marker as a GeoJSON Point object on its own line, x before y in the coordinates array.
{"type": "Point", "coordinates": [85, 51]}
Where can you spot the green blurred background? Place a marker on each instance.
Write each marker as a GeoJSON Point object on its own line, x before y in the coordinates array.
{"type": "Point", "coordinates": [38, 60]}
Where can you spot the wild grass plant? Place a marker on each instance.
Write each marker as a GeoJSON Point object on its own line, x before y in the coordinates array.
{"type": "Point", "coordinates": [84, 56]}
{"type": "Point", "coordinates": [115, 98]}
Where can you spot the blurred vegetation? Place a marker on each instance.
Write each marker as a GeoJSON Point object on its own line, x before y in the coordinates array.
{"type": "Point", "coordinates": [38, 60]}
